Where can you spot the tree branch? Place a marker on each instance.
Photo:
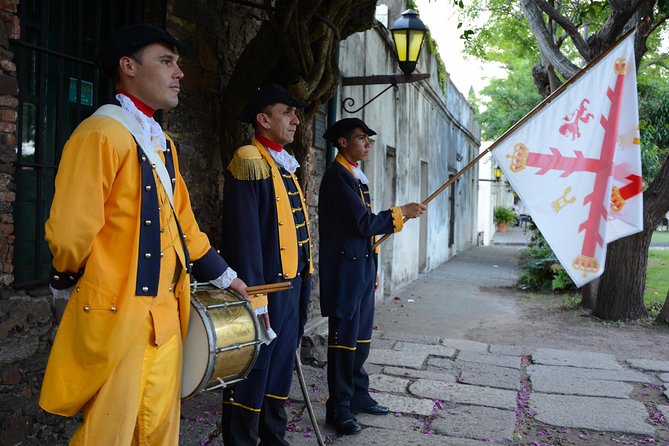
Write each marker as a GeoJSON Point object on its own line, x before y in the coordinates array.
{"type": "Point", "coordinates": [568, 27]}
{"type": "Point", "coordinates": [546, 45]}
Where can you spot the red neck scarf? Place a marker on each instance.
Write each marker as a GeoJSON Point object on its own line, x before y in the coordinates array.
{"type": "Point", "coordinates": [269, 143]}
{"type": "Point", "coordinates": [141, 106]}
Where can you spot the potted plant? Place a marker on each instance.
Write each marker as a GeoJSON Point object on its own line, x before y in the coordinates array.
{"type": "Point", "coordinates": [503, 217]}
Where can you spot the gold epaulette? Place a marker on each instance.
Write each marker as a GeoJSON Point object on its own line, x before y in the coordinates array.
{"type": "Point", "coordinates": [248, 164]}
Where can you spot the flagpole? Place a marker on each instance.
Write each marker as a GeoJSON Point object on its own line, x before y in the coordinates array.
{"type": "Point", "coordinates": [550, 98]}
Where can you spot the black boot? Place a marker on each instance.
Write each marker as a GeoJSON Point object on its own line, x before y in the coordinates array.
{"type": "Point", "coordinates": [361, 398]}
{"type": "Point", "coordinates": [273, 422]}
{"type": "Point", "coordinates": [239, 426]}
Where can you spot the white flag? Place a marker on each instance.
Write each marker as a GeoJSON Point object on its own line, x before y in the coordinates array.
{"type": "Point", "coordinates": [576, 164]}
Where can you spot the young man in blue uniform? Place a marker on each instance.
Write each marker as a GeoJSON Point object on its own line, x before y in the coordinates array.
{"type": "Point", "coordinates": [348, 266]}
{"type": "Point", "coordinates": [266, 240]}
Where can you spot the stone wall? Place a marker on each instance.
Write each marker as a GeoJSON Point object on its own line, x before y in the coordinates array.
{"type": "Point", "coordinates": [214, 35]}
{"type": "Point", "coordinates": [9, 29]}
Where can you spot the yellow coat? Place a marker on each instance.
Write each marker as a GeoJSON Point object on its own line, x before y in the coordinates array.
{"type": "Point", "coordinates": [94, 226]}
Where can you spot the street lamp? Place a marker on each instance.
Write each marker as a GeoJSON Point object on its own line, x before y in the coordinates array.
{"type": "Point", "coordinates": [408, 35]}
{"type": "Point", "coordinates": [497, 171]}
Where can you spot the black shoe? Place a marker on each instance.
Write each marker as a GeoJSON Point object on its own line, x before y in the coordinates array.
{"type": "Point", "coordinates": [376, 409]}
{"type": "Point", "coordinates": [346, 426]}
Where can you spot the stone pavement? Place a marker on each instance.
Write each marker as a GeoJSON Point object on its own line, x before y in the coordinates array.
{"type": "Point", "coordinates": [456, 392]}
{"type": "Point", "coordinates": [448, 391]}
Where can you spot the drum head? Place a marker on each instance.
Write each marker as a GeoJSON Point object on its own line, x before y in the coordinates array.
{"type": "Point", "coordinates": [196, 354]}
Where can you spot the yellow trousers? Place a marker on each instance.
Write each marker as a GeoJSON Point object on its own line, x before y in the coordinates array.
{"type": "Point", "coordinates": [140, 402]}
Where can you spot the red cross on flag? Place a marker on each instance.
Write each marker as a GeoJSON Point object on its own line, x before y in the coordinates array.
{"type": "Point", "coordinates": [576, 164]}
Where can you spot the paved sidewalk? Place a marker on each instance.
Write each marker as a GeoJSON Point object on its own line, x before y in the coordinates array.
{"type": "Point", "coordinates": [443, 390]}
{"type": "Point", "coordinates": [514, 236]}
{"type": "Point", "coordinates": [455, 392]}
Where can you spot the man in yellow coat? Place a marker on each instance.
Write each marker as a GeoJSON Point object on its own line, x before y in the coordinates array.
{"type": "Point", "coordinates": [124, 240]}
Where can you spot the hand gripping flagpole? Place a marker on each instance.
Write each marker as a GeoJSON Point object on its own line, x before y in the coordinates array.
{"type": "Point", "coordinates": [524, 119]}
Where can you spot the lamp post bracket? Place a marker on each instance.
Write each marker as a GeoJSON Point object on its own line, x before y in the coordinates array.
{"type": "Point", "coordinates": [384, 79]}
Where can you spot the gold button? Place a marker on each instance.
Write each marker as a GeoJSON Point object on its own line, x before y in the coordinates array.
{"type": "Point", "coordinates": [169, 289]}
{"type": "Point", "coordinates": [87, 309]}
{"type": "Point", "coordinates": [277, 198]}
{"type": "Point", "coordinates": [147, 222]}
{"type": "Point", "coordinates": [153, 165]}
{"type": "Point", "coordinates": [77, 289]}
{"type": "Point", "coordinates": [184, 236]}
{"type": "Point", "coordinates": [285, 275]}
{"type": "Point", "coordinates": [148, 187]}
{"type": "Point", "coordinates": [283, 248]}
{"type": "Point", "coordinates": [147, 255]}
{"type": "Point", "coordinates": [281, 223]}
{"type": "Point", "coordinates": [113, 309]}
{"type": "Point", "coordinates": [71, 277]}
{"type": "Point", "coordinates": [143, 158]}
{"type": "Point", "coordinates": [56, 277]}
{"type": "Point", "coordinates": [174, 180]}
{"type": "Point", "coordinates": [279, 275]}
{"type": "Point", "coordinates": [168, 150]}
{"type": "Point", "coordinates": [145, 289]}
{"type": "Point", "coordinates": [162, 254]}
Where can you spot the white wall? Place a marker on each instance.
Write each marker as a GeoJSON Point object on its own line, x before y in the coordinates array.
{"type": "Point", "coordinates": [430, 131]}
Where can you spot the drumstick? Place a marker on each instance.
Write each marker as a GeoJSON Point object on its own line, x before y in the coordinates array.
{"type": "Point", "coordinates": [269, 288]}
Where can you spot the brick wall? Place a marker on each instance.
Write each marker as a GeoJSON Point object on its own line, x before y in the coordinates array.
{"type": "Point", "coordinates": [9, 29]}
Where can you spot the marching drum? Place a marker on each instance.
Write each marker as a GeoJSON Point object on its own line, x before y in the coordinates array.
{"type": "Point", "coordinates": [222, 341]}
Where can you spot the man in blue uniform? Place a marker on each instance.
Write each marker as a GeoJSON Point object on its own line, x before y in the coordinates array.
{"type": "Point", "coordinates": [348, 266]}
{"type": "Point", "coordinates": [266, 240]}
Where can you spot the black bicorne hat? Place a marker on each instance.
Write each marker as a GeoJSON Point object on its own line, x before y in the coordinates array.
{"type": "Point", "coordinates": [267, 95]}
{"type": "Point", "coordinates": [125, 41]}
{"type": "Point", "coordinates": [337, 129]}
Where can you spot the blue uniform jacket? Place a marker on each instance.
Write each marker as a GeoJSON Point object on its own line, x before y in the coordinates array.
{"type": "Point", "coordinates": [347, 265]}
{"type": "Point", "coordinates": [251, 245]}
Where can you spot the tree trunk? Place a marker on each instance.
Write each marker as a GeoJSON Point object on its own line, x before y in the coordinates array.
{"type": "Point", "coordinates": [588, 295]}
{"type": "Point", "coordinates": [621, 287]}
{"type": "Point", "coordinates": [663, 317]}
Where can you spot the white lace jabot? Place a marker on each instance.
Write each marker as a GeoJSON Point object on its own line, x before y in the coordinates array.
{"type": "Point", "coordinates": [359, 175]}
{"type": "Point", "coordinates": [285, 160]}
{"type": "Point", "coordinates": [153, 134]}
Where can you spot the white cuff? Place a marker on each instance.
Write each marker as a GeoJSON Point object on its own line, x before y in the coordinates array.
{"type": "Point", "coordinates": [261, 310]}
{"type": "Point", "coordinates": [266, 335]}
{"type": "Point", "coordinates": [224, 280]}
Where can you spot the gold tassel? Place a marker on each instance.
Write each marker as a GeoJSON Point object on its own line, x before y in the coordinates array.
{"type": "Point", "coordinates": [248, 164]}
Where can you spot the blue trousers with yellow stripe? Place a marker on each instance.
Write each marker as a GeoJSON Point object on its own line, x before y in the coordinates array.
{"type": "Point", "coordinates": [348, 348]}
{"type": "Point", "coordinates": [254, 408]}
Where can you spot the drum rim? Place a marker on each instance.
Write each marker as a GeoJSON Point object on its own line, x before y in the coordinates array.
{"type": "Point", "coordinates": [211, 356]}
{"type": "Point", "coordinates": [213, 340]}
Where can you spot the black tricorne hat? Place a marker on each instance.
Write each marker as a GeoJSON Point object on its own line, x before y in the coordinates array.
{"type": "Point", "coordinates": [128, 39]}
{"type": "Point", "coordinates": [337, 129]}
{"type": "Point", "coordinates": [264, 96]}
